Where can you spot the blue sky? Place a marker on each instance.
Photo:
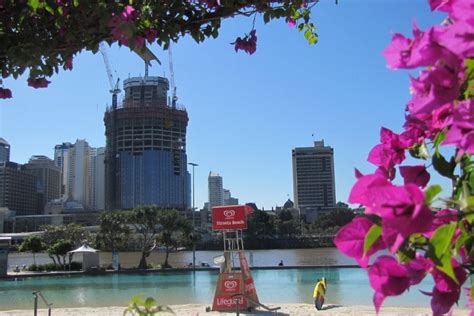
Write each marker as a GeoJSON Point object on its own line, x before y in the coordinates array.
{"type": "Point", "coordinates": [246, 112]}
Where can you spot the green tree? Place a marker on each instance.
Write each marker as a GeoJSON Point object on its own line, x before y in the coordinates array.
{"type": "Point", "coordinates": [145, 220]}
{"type": "Point", "coordinates": [114, 230]}
{"type": "Point", "coordinates": [60, 250]}
{"type": "Point", "coordinates": [72, 233]}
{"type": "Point", "coordinates": [174, 229]}
{"type": "Point", "coordinates": [259, 224]}
{"type": "Point", "coordinates": [32, 244]}
{"type": "Point", "coordinates": [332, 220]}
{"type": "Point", "coordinates": [285, 224]}
{"type": "Point", "coordinates": [44, 36]}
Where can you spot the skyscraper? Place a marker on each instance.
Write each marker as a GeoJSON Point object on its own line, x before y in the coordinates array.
{"type": "Point", "coordinates": [216, 190]}
{"type": "Point", "coordinates": [98, 178]}
{"type": "Point", "coordinates": [4, 150]}
{"type": "Point", "coordinates": [17, 189]}
{"type": "Point", "coordinates": [48, 179]}
{"type": "Point", "coordinates": [313, 179]}
{"type": "Point", "coordinates": [79, 173]}
{"type": "Point", "coordinates": [61, 159]}
{"type": "Point", "coordinates": [146, 162]}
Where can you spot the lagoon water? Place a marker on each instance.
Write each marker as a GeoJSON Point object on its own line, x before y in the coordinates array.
{"type": "Point", "coordinates": [346, 286]}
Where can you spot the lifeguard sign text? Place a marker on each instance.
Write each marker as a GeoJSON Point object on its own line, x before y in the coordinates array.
{"type": "Point", "coordinates": [230, 217]}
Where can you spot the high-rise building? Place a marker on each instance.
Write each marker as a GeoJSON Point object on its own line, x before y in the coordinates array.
{"type": "Point", "coordinates": [98, 178]}
{"type": "Point", "coordinates": [228, 199]}
{"type": "Point", "coordinates": [61, 159]}
{"type": "Point", "coordinates": [79, 173]}
{"type": "Point", "coordinates": [17, 189]}
{"type": "Point", "coordinates": [4, 150]}
{"type": "Point", "coordinates": [146, 162]}
{"type": "Point", "coordinates": [313, 179]}
{"type": "Point", "coordinates": [216, 190]}
{"type": "Point", "coordinates": [48, 179]}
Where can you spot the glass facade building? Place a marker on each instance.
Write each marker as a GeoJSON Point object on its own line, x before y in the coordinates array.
{"type": "Point", "coordinates": [146, 162]}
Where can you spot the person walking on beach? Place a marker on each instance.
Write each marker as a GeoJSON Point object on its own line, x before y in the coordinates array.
{"type": "Point", "coordinates": [319, 293]}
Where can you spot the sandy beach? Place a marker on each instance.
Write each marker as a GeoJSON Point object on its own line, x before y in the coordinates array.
{"type": "Point", "coordinates": [286, 309]}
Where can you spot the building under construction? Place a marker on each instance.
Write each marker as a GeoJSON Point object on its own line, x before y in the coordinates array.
{"type": "Point", "coordinates": [146, 161]}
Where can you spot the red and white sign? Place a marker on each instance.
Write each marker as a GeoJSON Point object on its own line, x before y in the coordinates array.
{"type": "Point", "coordinates": [230, 217]}
{"type": "Point", "coordinates": [230, 286]}
{"type": "Point", "coordinates": [227, 302]}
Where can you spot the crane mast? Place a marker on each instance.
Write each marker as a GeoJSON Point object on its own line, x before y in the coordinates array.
{"type": "Point", "coordinates": [114, 85]}
{"type": "Point", "coordinates": [174, 98]}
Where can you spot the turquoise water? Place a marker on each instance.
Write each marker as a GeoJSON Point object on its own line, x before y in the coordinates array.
{"type": "Point", "coordinates": [347, 286]}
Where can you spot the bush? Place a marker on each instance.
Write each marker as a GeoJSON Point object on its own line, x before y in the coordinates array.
{"type": "Point", "coordinates": [75, 266]}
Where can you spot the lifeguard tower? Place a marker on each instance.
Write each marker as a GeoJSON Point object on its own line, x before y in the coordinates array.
{"type": "Point", "coordinates": [235, 290]}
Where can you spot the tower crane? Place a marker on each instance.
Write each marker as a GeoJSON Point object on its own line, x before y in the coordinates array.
{"type": "Point", "coordinates": [173, 86]}
{"type": "Point", "coordinates": [114, 88]}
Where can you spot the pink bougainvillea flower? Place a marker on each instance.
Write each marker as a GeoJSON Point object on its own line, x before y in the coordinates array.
{"type": "Point", "coordinates": [38, 82]}
{"type": "Point", "coordinates": [247, 44]}
{"type": "Point", "coordinates": [358, 174]}
{"type": "Point", "coordinates": [5, 93]}
{"type": "Point", "coordinates": [415, 174]}
{"type": "Point", "coordinates": [128, 12]}
{"type": "Point", "coordinates": [418, 268]}
{"type": "Point", "coordinates": [68, 64]}
{"type": "Point", "coordinates": [446, 292]}
{"type": "Point", "coordinates": [388, 278]}
{"type": "Point", "coordinates": [390, 152]}
{"type": "Point", "coordinates": [422, 50]}
{"type": "Point", "coordinates": [461, 132]}
{"type": "Point", "coordinates": [457, 9]}
{"type": "Point", "coordinates": [457, 37]}
{"type": "Point", "coordinates": [440, 118]}
{"type": "Point", "coordinates": [350, 240]}
{"type": "Point", "coordinates": [291, 23]}
{"type": "Point", "coordinates": [434, 88]}
{"type": "Point", "coordinates": [360, 192]}
{"type": "Point", "coordinates": [402, 208]}
{"type": "Point", "coordinates": [151, 35]}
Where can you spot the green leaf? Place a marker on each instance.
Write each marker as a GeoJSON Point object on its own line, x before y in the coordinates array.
{"type": "Point", "coordinates": [149, 303]}
{"type": "Point", "coordinates": [372, 236]}
{"type": "Point", "coordinates": [432, 192]}
{"type": "Point", "coordinates": [405, 255]}
{"type": "Point", "coordinates": [34, 4]}
{"type": "Point", "coordinates": [444, 167]}
{"type": "Point", "coordinates": [420, 151]}
{"type": "Point", "coordinates": [267, 17]}
{"type": "Point", "coordinates": [49, 9]}
{"type": "Point", "coordinates": [438, 139]}
{"type": "Point", "coordinates": [75, 3]}
{"type": "Point", "coordinates": [440, 249]}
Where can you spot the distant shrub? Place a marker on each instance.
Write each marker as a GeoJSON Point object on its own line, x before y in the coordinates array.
{"type": "Point", "coordinates": [74, 266]}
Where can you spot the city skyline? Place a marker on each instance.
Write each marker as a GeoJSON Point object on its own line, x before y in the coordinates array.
{"type": "Point", "coordinates": [246, 112]}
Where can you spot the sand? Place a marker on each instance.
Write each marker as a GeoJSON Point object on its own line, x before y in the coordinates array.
{"type": "Point", "coordinates": [286, 309]}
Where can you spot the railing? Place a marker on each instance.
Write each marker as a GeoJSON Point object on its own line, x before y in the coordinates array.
{"type": "Point", "coordinates": [270, 309]}
{"type": "Point", "coordinates": [36, 294]}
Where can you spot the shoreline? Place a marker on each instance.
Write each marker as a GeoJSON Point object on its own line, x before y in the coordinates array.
{"type": "Point", "coordinates": [28, 274]}
{"type": "Point", "coordinates": [286, 309]}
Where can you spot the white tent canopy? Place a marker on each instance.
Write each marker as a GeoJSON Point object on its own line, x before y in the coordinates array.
{"type": "Point", "coordinates": [84, 249]}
